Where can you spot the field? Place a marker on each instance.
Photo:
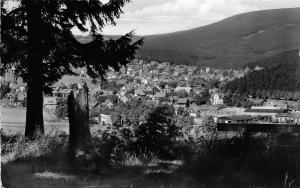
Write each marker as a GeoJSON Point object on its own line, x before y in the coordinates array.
{"type": "Point", "coordinates": [13, 121]}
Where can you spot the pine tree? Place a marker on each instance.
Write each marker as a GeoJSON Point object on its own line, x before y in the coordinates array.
{"type": "Point", "coordinates": [36, 39]}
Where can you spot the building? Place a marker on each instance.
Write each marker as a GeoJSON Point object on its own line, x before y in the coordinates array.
{"type": "Point", "coordinates": [217, 99]}
{"type": "Point", "coordinates": [208, 110]}
{"type": "Point", "coordinates": [105, 119]}
{"type": "Point", "coordinates": [139, 92]}
{"type": "Point", "coordinates": [236, 119]}
{"type": "Point", "coordinates": [187, 89]}
{"type": "Point", "coordinates": [229, 111]}
{"type": "Point", "coordinates": [265, 111]}
{"type": "Point", "coordinates": [159, 95]}
{"type": "Point", "coordinates": [293, 118]}
{"type": "Point", "coordinates": [184, 102]}
{"type": "Point", "coordinates": [50, 103]}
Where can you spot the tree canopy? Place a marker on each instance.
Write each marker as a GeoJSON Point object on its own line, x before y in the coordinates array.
{"type": "Point", "coordinates": [279, 78]}
{"type": "Point", "coordinates": [61, 52]}
{"type": "Point", "coordinates": [37, 40]}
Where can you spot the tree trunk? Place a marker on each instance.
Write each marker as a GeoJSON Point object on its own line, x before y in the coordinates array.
{"type": "Point", "coordinates": [34, 114]}
{"type": "Point", "coordinates": [78, 112]}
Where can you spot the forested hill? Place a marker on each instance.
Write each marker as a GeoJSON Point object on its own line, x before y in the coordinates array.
{"type": "Point", "coordinates": [230, 43]}
{"type": "Point", "coordinates": [281, 73]}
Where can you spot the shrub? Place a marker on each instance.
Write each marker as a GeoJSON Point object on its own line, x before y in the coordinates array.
{"type": "Point", "coordinates": [4, 89]}
{"type": "Point", "coordinates": [257, 159]}
{"type": "Point", "coordinates": [19, 147]}
{"type": "Point", "coordinates": [156, 135]}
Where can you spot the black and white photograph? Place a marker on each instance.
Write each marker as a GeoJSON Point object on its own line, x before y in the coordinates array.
{"type": "Point", "coordinates": [150, 93]}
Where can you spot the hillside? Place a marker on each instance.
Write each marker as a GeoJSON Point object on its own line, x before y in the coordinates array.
{"type": "Point", "coordinates": [281, 73]}
{"type": "Point", "coordinates": [230, 43]}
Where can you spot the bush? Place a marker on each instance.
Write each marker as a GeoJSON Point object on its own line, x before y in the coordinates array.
{"type": "Point", "coordinates": [19, 147]}
{"type": "Point", "coordinates": [4, 89]}
{"type": "Point", "coordinates": [158, 134]}
{"type": "Point", "coordinates": [247, 160]}
{"type": "Point", "coordinates": [155, 136]}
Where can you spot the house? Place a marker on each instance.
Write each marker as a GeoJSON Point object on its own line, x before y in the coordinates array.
{"type": "Point", "coordinates": [184, 102]}
{"type": "Point", "coordinates": [288, 118]}
{"type": "Point", "coordinates": [50, 103]}
{"type": "Point", "coordinates": [187, 89]}
{"type": "Point", "coordinates": [213, 90]}
{"type": "Point", "coordinates": [285, 118]}
{"type": "Point", "coordinates": [167, 89]}
{"type": "Point", "coordinates": [256, 101]}
{"type": "Point", "coordinates": [139, 92]}
{"type": "Point", "coordinates": [207, 110]}
{"type": "Point", "coordinates": [107, 92]}
{"type": "Point", "coordinates": [229, 111]}
{"type": "Point", "coordinates": [207, 69]}
{"type": "Point", "coordinates": [105, 119]}
{"type": "Point", "coordinates": [173, 99]}
{"type": "Point", "coordinates": [281, 104]}
{"type": "Point", "coordinates": [165, 64]}
{"type": "Point", "coordinates": [124, 99]}
{"type": "Point", "coordinates": [108, 104]}
{"type": "Point", "coordinates": [236, 119]}
{"type": "Point", "coordinates": [217, 99]}
{"type": "Point", "coordinates": [123, 91]}
{"type": "Point", "coordinates": [257, 68]}
{"type": "Point", "coordinates": [159, 95]}
{"type": "Point", "coordinates": [194, 110]}
{"type": "Point", "coordinates": [149, 92]}
{"type": "Point", "coordinates": [61, 93]}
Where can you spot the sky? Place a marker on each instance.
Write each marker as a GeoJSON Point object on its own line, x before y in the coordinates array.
{"type": "Point", "coordinates": [147, 17]}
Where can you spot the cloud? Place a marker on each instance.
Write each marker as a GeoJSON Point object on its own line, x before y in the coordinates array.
{"type": "Point", "coordinates": [164, 16]}
{"type": "Point", "coordinates": [173, 15]}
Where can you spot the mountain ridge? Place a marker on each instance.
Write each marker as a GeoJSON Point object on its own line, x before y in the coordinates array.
{"type": "Point", "coordinates": [230, 43]}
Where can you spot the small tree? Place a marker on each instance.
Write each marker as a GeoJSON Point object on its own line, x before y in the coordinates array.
{"type": "Point", "coordinates": [4, 89]}
{"type": "Point", "coordinates": [182, 94]}
{"type": "Point", "coordinates": [158, 134]}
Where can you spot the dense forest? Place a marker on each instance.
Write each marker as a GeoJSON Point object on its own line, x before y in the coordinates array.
{"type": "Point", "coordinates": [280, 77]}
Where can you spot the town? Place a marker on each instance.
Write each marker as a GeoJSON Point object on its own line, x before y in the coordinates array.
{"type": "Point", "coordinates": [156, 94]}
{"type": "Point", "coordinates": [195, 92]}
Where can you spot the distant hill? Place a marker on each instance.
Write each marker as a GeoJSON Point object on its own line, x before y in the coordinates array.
{"type": "Point", "coordinates": [281, 72]}
{"type": "Point", "coordinates": [230, 43]}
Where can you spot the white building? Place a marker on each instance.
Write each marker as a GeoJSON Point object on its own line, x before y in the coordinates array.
{"type": "Point", "coordinates": [217, 99]}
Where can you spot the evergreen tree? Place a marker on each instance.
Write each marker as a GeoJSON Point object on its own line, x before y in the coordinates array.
{"type": "Point", "coordinates": [36, 38]}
